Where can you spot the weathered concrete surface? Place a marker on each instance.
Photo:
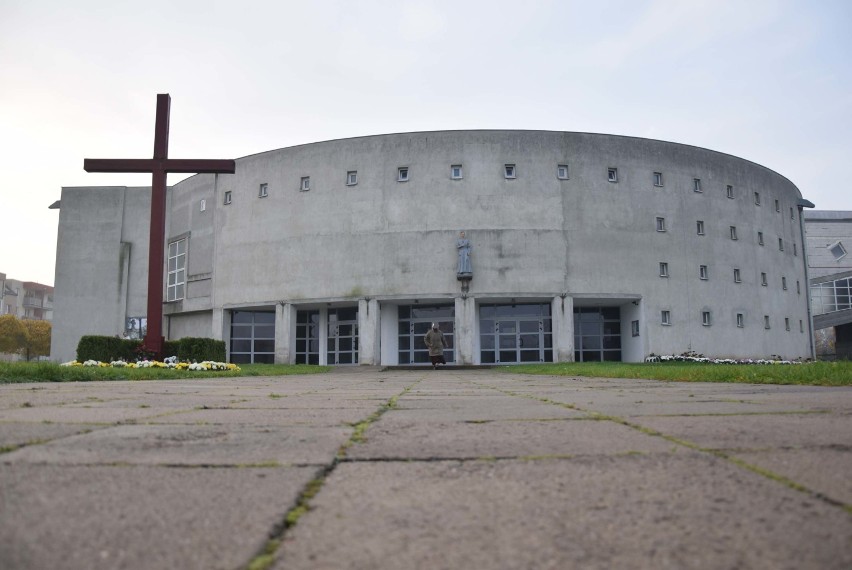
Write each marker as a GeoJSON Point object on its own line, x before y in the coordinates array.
{"type": "Point", "coordinates": [466, 469]}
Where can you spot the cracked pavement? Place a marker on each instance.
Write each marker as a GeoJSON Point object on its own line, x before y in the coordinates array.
{"type": "Point", "coordinates": [424, 469]}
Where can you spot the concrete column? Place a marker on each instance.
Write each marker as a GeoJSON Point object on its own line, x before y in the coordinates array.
{"type": "Point", "coordinates": [285, 333]}
{"type": "Point", "coordinates": [369, 331]}
{"type": "Point", "coordinates": [323, 336]}
{"type": "Point", "coordinates": [221, 328]}
{"type": "Point", "coordinates": [465, 333]}
{"type": "Point", "coordinates": [562, 315]}
{"type": "Point", "coordinates": [389, 325]}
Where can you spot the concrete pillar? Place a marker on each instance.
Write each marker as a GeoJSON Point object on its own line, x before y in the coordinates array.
{"type": "Point", "coordinates": [323, 336]}
{"type": "Point", "coordinates": [285, 333]}
{"type": "Point", "coordinates": [389, 325]}
{"type": "Point", "coordinates": [465, 333]}
{"type": "Point", "coordinates": [562, 315]}
{"type": "Point", "coordinates": [369, 331]}
{"type": "Point", "coordinates": [221, 328]}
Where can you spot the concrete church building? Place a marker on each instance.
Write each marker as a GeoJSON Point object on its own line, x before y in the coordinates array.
{"type": "Point", "coordinates": [583, 247]}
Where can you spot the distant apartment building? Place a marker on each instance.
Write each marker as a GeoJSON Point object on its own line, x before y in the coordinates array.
{"type": "Point", "coordinates": [26, 299]}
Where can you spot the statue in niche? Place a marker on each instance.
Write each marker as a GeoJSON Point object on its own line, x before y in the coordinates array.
{"type": "Point", "coordinates": [464, 271]}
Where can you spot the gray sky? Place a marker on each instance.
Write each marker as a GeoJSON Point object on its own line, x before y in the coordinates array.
{"type": "Point", "coordinates": [766, 80]}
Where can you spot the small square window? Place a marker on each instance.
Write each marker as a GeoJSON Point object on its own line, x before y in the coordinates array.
{"type": "Point", "coordinates": [202, 205]}
{"type": "Point", "coordinates": [784, 283]}
{"type": "Point", "coordinates": [664, 269]}
{"type": "Point", "coordinates": [766, 321]}
{"type": "Point", "coordinates": [759, 238]}
{"type": "Point", "coordinates": [227, 199]}
{"type": "Point", "coordinates": [702, 272]}
{"type": "Point", "coordinates": [263, 191]}
{"type": "Point", "coordinates": [658, 179]}
{"type": "Point", "coordinates": [757, 198]}
{"type": "Point", "coordinates": [699, 227]}
{"type": "Point", "coordinates": [562, 171]}
{"type": "Point", "coordinates": [634, 328]}
{"type": "Point", "coordinates": [787, 323]}
{"type": "Point", "coordinates": [705, 318]}
{"type": "Point", "coordinates": [612, 174]}
{"type": "Point", "coordinates": [733, 232]}
{"type": "Point", "coordinates": [305, 184]}
{"type": "Point", "coordinates": [696, 185]}
{"type": "Point", "coordinates": [737, 278]}
{"type": "Point", "coordinates": [730, 190]}
{"type": "Point", "coordinates": [665, 317]}
{"type": "Point", "coordinates": [838, 251]}
{"type": "Point", "coordinates": [763, 280]}
{"type": "Point", "coordinates": [780, 244]}
{"type": "Point", "coordinates": [352, 178]}
{"type": "Point", "coordinates": [740, 320]}
{"type": "Point", "coordinates": [777, 206]}
{"type": "Point", "coordinates": [509, 171]}
{"type": "Point", "coordinates": [402, 174]}
{"type": "Point", "coordinates": [456, 172]}
{"type": "Point", "coordinates": [661, 224]}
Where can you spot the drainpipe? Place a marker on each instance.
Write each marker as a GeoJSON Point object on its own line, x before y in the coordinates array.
{"type": "Point", "coordinates": [801, 204]}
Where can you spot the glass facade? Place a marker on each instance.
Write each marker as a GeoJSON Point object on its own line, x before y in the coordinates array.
{"type": "Point", "coordinates": [597, 334]}
{"type": "Point", "coordinates": [515, 333]}
{"type": "Point", "coordinates": [252, 337]}
{"type": "Point", "coordinates": [832, 296]}
{"type": "Point", "coordinates": [307, 337]}
{"type": "Point", "coordinates": [414, 323]}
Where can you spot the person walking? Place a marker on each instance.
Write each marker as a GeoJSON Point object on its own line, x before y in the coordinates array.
{"type": "Point", "coordinates": [434, 340]}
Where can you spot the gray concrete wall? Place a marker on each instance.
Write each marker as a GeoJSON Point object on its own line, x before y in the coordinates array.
{"type": "Point", "coordinates": [823, 230]}
{"type": "Point", "coordinates": [189, 324]}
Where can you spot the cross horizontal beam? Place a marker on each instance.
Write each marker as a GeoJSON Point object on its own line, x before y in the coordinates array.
{"type": "Point", "coordinates": [188, 165]}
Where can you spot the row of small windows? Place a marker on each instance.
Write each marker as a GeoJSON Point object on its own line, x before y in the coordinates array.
{"type": "Point", "coordinates": [707, 320]}
{"type": "Point", "coordinates": [704, 275]}
{"type": "Point", "coordinates": [699, 229]}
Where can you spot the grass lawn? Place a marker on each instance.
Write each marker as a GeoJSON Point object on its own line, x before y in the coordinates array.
{"type": "Point", "coordinates": [811, 374]}
{"type": "Point", "coordinates": [13, 372]}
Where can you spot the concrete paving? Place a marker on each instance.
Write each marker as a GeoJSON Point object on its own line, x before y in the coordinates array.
{"type": "Point", "coordinates": [424, 469]}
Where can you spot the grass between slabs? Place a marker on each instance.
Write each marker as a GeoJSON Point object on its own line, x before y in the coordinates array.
{"type": "Point", "coordinates": [809, 374]}
{"type": "Point", "coordinates": [14, 372]}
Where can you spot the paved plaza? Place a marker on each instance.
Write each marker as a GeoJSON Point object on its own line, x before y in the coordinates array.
{"type": "Point", "coordinates": [470, 469]}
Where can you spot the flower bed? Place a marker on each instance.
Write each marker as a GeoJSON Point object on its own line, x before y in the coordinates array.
{"type": "Point", "coordinates": [695, 357]}
{"type": "Point", "coordinates": [171, 363]}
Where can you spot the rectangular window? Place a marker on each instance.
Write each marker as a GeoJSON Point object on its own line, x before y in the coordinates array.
{"type": "Point", "coordinates": [263, 191]}
{"type": "Point", "coordinates": [696, 185]}
{"type": "Point", "coordinates": [777, 206]}
{"type": "Point", "coordinates": [202, 205]}
{"type": "Point", "coordinates": [665, 318]}
{"type": "Point", "coordinates": [787, 323]}
{"type": "Point", "coordinates": [740, 320]}
{"type": "Point", "coordinates": [661, 224]}
{"type": "Point", "coordinates": [763, 279]}
{"type": "Point", "coordinates": [562, 171]}
{"type": "Point", "coordinates": [705, 318]}
{"type": "Point", "coordinates": [305, 185]}
{"type": "Point", "coordinates": [798, 287]}
{"type": "Point", "coordinates": [730, 190]}
{"type": "Point", "coordinates": [780, 244]}
{"type": "Point", "coordinates": [612, 174]}
{"type": "Point", "coordinates": [784, 283]}
{"type": "Point", "coordinates": [658, 179]}
{"type": "Point", "coordinates": [795, 249]}
{"type": "Point", "coordinates": [456, 172]}
{"type": "Point", "coordinates": [759, 238]}
{"type": "Point", "coordinates": [801, 326]}
{"type": "Point", "coordinates": [509, 171]}
{"type": "Point", "coordinates": [227, 199]}
{"type": "Point", "coordinates": [792, 215]}
{"type": "Point", "coordinates": [352, 178]}
{"type": "Point", "coordinates": [757, 198]}
{"type": "Point", "coordinates": [402, 174]}
{"type": "Point", "coordinates": [702, 272]}
{"type": "Point", "coordinates": [177, 270]}
{"type": "Point", "coordinates": [699, 227]}
{"type": "Point", "coordinates": [733, 232]}
{"type": "Point", "coordinates": [766, 321]}
{"type": "Point", "coordinates": [838, 251]}
{"type": "Point", "coordinates": [737, 278]}
{"type": "Point", "coordinates": [664, 269]}
{"type": "Point", "coordinates": [634, 328]}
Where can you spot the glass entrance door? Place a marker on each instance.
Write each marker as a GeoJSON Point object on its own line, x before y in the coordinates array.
{"type": "Point", "coordinates": [515, 333]}
{"type": "Point", "coordinates": [343, 336]}
{"type": "Point", "coordinates": [307, 337]}
{"type": "Point", "coordinates": [414, 323]}
{"type": "Point", "coordinates": [597, 334]}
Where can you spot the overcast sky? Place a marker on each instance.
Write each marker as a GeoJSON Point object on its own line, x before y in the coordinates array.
{"type": "Point", "coordinates": [766, 80]}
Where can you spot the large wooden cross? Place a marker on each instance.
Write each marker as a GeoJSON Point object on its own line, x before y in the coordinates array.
{"type": "Point", "coordinates": [158, 167]}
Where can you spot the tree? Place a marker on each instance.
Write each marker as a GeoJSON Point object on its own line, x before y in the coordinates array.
{"type": "Point", "coordinates": [13, 334]}
{"type": "Point", "coordinates": [38, 338]}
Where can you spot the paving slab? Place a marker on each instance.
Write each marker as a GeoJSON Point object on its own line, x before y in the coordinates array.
{"type": "Point", "coordinates": [89, 518]}
{"type": "Point", "coordinates": [681, 510]}
{"type": "Point", "coordinates": [190, 445]}
{"type": "Point", "coordinates": [17, 434]}
{"type": "Point", "coordinates": [77, 414]}
{"type": "Point", "coordinates": [477, 409]}
{"type": "Point", "coordinates": [270, 417]}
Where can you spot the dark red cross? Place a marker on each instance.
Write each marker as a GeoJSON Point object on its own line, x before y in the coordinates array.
{"type": "Point", "coordinates": [158, 167]}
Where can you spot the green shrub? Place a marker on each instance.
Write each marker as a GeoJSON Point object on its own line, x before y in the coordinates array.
{"type": "Point", "coordinates": [106, 348]}
{"type": "Point", "coordinates": [171, 348]}
{"type": "Point", "coordinates": [200, 349]}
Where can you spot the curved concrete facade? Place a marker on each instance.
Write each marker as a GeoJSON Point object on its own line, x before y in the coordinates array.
{"type": "Point", "coordinates": [561, 239]}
